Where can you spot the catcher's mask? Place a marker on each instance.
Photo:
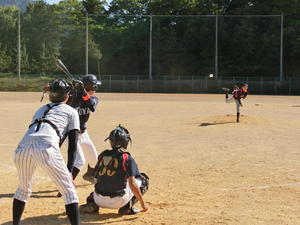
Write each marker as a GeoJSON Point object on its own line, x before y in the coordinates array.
{"type": "Point", "coordinates": [90, 82]}
{"type": "Point", "coordinates": [119, 137]}
{"type": "Point", "coordinates": [59, 90]}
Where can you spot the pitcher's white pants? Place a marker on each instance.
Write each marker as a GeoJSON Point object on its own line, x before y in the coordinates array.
{"type": "Point", "coordinates": [231, 99]}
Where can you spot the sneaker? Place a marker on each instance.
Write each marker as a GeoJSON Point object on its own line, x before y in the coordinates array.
{"type": "Point", "coordinates": [133, 211]}
{"type": "Point", "coordinates": [89, 208]}
{"type": "Point", "coordinates": [89, 178]}
{"type": "Point", "coordinates": [125, 210]}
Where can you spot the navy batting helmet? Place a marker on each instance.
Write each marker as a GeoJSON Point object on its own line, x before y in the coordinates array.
{"type": "Point", "coordinates": [90, 82]}
{"type": "Point", "coordinates": [59, 90]}
{"type": "Point", "coordinates": [119, 137]}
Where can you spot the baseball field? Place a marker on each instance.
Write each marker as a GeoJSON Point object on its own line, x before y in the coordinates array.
{"type": "Point", "coordinates": [204, 168]}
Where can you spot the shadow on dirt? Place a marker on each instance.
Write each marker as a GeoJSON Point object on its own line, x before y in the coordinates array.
{"type": "Point", "coordinates": [42, 194]}
{"type": "Point", "coordinates": [87, 219]}
{"type": "Point", "coordinates": [214, 123]}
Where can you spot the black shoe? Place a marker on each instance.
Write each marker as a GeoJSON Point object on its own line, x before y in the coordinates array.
{"type": "Point", "coordinates": [89, 208]}
{"type": "Point", "coordinates": [125, 210]}
{"type": "Point", "coordinates": [90, 175]}
{"type": "Point", "coordinates": [89, 178]}
{"type": "Point", "coordinates": [133, 211]}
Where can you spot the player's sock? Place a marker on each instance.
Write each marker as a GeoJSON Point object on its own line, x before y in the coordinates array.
{"type": "Point", "coordinates": [237, 117]}
{"type": "Point", "coordinates": [75, 172]}
{"type": "Point", "coordinates": [72, 211]}
{"type": "Point", "coordinates": [18, 209]}
{"type": "Point", "coordinates": [226, 94]}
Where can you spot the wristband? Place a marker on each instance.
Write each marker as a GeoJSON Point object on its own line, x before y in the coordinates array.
{"type": "Point", "coordinates": [86, 97]}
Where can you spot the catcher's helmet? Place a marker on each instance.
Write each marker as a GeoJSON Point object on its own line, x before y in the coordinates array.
{"type": "Point", "coordinates": [59, 90]}
{"type": "Point", "coordinates": [119, 137]}
{"type": "Point", "coordinates": [90, 82]}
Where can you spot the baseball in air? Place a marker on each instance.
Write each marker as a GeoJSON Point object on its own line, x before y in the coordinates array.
{"type": "Point", "coordinates": [211, 75]}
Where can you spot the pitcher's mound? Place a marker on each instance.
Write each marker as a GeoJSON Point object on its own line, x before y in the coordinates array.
{"type": "Point", "coordinates": [227, 119]}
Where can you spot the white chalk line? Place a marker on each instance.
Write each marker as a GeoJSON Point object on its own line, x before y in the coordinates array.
{"type": "Point", "coordinates": [262, 187]}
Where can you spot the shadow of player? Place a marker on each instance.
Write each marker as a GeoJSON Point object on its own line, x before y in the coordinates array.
{"type": "Point", "coordinates": [87, 219]}
{"type": "Point", "coordinates": [214, 123]}
{"type": "Point", "coordinates": [41, 194]}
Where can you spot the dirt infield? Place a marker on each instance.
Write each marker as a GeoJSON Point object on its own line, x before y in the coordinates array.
{"type": "Point", "coordinates": [204, 168]}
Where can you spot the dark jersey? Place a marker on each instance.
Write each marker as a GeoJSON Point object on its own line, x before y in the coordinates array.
{"type": "Point", "coordinates": [84, 106]}
{"type": "Point", "coordinates": [112, 172]}
{"type": "Point", "coordinates": [244, 93]}
{"type": "Point", "coordinates": [237, 95]}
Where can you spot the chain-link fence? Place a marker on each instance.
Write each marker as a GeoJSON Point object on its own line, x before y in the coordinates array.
{"type": "Point", "coordinates": [198, 84]}
{"type": "Point", "coordinates": [164, 53]}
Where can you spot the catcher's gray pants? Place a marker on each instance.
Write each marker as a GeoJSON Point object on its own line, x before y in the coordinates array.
{"type": "Point", "coordinates": [33, 151]}
{"type": "Point", "coordinates": [231, 99]}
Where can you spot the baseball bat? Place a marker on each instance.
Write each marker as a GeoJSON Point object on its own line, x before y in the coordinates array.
{"type": "Point", "coordinates": [62, 66]}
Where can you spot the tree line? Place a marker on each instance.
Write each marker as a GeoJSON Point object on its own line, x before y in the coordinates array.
{"type": "Point", "coordinates": [183, 40]}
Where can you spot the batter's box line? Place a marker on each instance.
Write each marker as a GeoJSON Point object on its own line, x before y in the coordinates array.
{"type": "Point", "coordinates": [261, 187]}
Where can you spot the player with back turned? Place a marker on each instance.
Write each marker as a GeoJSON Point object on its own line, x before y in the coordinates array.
{"type": "Point", "coordinates": [40, 147]}
{"type": "Point", "coordinates": [119, 183]}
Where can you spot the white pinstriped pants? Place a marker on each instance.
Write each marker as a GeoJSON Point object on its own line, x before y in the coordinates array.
{"type": "Point", "coordinates": [33, 151]}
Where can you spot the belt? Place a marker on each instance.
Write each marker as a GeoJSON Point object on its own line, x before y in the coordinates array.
{"type": "Point", "coordinates": [111, 194]}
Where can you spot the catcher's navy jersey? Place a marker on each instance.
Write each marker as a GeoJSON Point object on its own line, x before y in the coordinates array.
{"type": "Point", "coordinates": [83, 107]}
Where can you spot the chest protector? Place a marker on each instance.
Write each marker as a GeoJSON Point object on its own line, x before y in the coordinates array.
{"type": "Point", "coordinates": [111, 173]}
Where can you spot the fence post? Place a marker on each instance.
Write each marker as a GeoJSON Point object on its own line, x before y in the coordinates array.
{"type": "Point", "coordinates": [137, 84]}
{"type": "Point", "coordinates": [123, 86]}
{"type": "Point", "coordinates": [86, 43]}
{"type": "Point", "coordinates": [109, 83]}
{"type": "Point", "coordinates": [192, 84]}
{"type": "Point", "coordinates": [261, 85]}
{"type": "Point", "coordinates": [281, 47]}
{"type": "Point", "coordinates": [290, 88]}
{"type": "Point", "coordinates": [178, 84]}
{"type": "Point", "coordinates": [19, 43]}
{"type": "Point", "coordinates": [150, 49]}
{"type": "Point", "coordinates": [216, 46]}
{"type": "Point", "coordinates": [275, 88]}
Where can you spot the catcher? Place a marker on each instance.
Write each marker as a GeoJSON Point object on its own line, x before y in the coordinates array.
{"type": "Point", "coordinates": [119, 183]}
{"type": "Point", "coordinates": [237, 94]}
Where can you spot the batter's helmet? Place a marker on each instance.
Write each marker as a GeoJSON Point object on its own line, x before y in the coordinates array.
{"type": "Point", "coordinates": [90, 82]}
{"type": "Point", "coordinates": [119, 137]}
{"type": "Point", "coordinates": [59, 90]}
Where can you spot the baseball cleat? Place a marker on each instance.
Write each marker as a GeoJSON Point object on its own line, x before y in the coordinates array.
{"type": "Point", "coordinates": [134, 211]}
{"type": "Point", "coordinates": [89, 178]}
{"type": "Point", "coordinates": [89, 208]}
